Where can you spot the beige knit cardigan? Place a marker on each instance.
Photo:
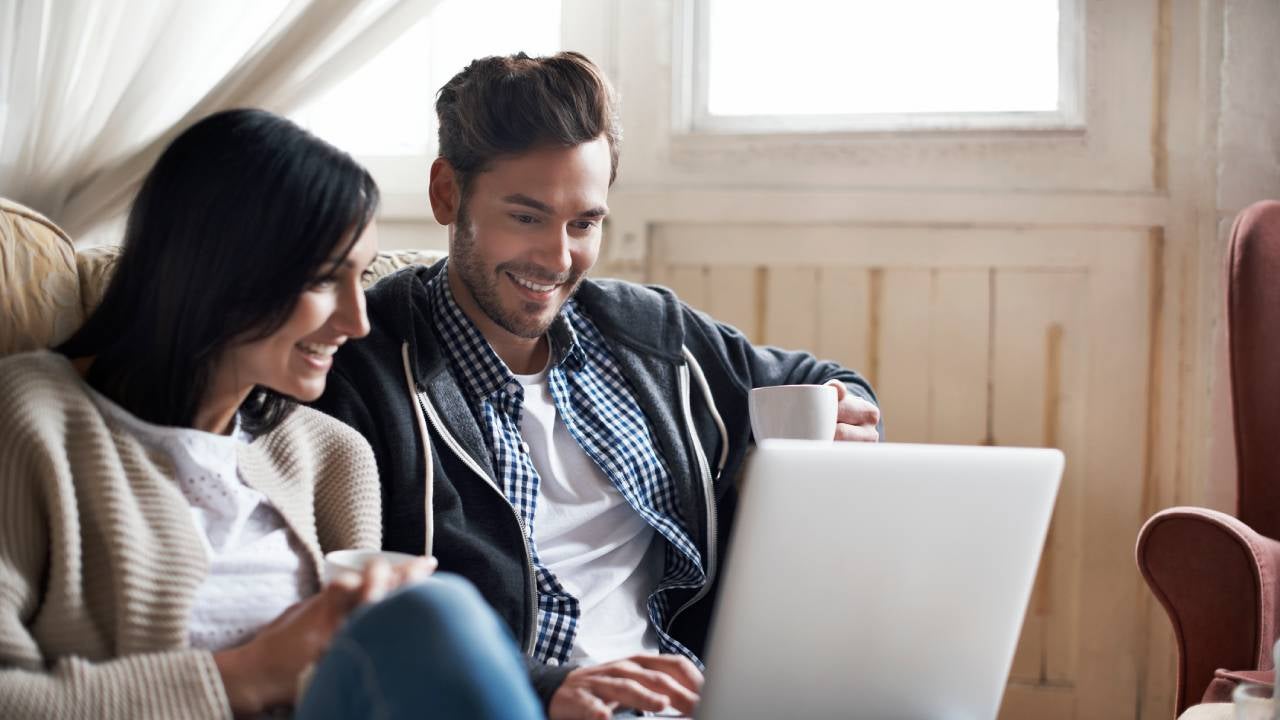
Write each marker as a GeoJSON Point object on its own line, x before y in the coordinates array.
{"type": "Point", "coordinates": [100, 558]}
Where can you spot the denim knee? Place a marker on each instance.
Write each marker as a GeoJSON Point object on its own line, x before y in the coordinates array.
{"type": "Point", "coordinates": [431, 612]}
{"type": "Point", "coordinates": [433, 648]}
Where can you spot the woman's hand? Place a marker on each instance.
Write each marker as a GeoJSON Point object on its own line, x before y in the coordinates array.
{"type": "Point", "coordinates": [264, 672]}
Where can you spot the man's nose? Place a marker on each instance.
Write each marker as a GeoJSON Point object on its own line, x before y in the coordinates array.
{"type": "Point", "coordinates": [554, 250]}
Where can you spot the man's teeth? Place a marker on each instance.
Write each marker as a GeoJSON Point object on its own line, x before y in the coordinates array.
{"type": "Point", "coordinates": [533, 285]}
{"type": "Point", "coordinates": [318, 349]}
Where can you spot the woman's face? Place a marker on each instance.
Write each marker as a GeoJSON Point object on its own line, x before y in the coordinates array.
{"type": "Point", "coordinates": [295, 359]}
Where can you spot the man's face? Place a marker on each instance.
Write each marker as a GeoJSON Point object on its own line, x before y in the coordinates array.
{"type": "Point", "coordinates": [527, 232]}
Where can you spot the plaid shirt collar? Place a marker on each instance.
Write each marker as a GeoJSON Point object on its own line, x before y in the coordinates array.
{"type": "Point", "coordinates": [481, 373]}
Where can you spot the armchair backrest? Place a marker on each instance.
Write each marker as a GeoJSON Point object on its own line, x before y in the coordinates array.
{"type": "Point", "coordinates": [1253, 341]}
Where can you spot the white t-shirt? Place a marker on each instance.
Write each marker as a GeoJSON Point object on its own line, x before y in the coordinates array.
{"type": "Point", "coordinates": [599, 548]}
{"type": "Point", "coordinates": [256, 566]}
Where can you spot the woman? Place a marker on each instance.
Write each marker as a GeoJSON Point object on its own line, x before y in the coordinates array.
{"type": "Point", "coordinates": [165, 503]}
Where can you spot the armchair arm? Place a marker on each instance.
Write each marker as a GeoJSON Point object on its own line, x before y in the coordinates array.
{"type": "Point", "coordinates": [1217, 580]}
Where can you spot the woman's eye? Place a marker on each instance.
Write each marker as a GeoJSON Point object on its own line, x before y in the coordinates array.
{"type": "Point", "coordinates": [324, 283]}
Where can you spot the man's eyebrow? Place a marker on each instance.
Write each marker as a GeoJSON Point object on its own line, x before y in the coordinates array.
{"type": "Point", "coordinates": [522, 199]}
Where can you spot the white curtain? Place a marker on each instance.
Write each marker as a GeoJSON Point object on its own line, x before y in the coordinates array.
{"type": "Point", "coordinates": [91, 91]}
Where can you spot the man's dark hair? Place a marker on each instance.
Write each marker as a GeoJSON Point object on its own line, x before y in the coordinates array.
{"type": "Point", "coordinates": [242, 213]}
{"type": "Point", "coordinates": [507, 105]}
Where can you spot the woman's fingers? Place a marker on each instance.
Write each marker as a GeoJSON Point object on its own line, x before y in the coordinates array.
{"type": "Point", "coordinates": [377, 581]}
{"type": "Point", "coordinates": [415, 570]}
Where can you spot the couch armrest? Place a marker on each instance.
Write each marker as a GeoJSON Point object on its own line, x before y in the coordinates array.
{"type": "Point", "coordinates": [1217, 580]}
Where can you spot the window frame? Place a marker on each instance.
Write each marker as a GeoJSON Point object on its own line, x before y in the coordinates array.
{"type": "Point", "coordinates": [691, 65]}
{"type": "Point", "coordinates": [585, 25]}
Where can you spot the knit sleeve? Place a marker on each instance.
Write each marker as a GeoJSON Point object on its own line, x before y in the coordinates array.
{"type": "Point", "coordinates": [348, 497]}
{"type": "Point", "coordinates": [182, 683]}
{"type": "Point", "coordinates": [157, 685]}
{"type": "Point", "coordinates": [24, 538]}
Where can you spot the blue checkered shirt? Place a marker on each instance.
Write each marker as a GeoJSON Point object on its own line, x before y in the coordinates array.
{"type": "Point", "coordinates": [596, 404]}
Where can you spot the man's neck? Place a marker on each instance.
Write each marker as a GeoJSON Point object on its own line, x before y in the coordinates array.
{"type": "Point", "coordinates": [523, 356]}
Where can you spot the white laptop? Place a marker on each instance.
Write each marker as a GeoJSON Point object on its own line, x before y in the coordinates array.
{"type": "Point", "coordinates": [877, 581]}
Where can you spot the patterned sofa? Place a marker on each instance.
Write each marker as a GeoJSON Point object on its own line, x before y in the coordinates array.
{"type": "Point", "coordinates": [47, 288]}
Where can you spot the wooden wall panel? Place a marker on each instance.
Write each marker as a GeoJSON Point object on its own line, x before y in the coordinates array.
{"type": "Point", "coordinates": [790, 307]}
{"type": "Point", "coordinates": [904, 357]}
{"type": "Point", "coordinates": [734, 297]}
{"type": "Point", "coordinates": [960, 371]}
{"type": "Point", "coordinates": [1040, 356]}
{"type": "Point", "coordinates": [845, 320]}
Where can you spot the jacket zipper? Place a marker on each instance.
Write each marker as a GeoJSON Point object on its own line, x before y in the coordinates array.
{"type": "Point", "coordinates": [470, 462]}
{"type": "Point", "coordinates": [708, 491]}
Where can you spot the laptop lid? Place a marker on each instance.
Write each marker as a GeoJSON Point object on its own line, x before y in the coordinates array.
{"type": "Point", "coordinates": [878, 581]}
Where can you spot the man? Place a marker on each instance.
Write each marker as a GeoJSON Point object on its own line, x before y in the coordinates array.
{"type": "Point", "coordinates": [571, 446]}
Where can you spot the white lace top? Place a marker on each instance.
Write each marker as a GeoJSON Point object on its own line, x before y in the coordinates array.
{"type": "Point", "coordinates": [256, 565]}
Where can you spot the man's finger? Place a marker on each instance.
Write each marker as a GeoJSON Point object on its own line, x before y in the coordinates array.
{"type": "Point", "coordinates": [578, 704]}
{"type": "Point", "coordinates": [856, 433]}
{"type": "Point", "coordinates": [841, 390]}
{"type": "Point", "coordinates": [682, 698]}
{"type": "Point", "coordinates": [593, 708]}
{"type": "Point", "coordinates": [857, 411]}
{"type": "Point", "coordinates": [597, 709]}
{"type": "Point", "coordinates": [677, 666]}
{"type": "Point", "coordinates": [627, 692]}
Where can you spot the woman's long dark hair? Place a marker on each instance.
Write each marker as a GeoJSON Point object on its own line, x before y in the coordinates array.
{"type": "Point", "coordinates": [241, 214]}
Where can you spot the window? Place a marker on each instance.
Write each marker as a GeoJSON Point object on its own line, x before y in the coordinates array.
{"type": "Point", "coordinates": [384, 113]}
{"type": "Point", "coordinates": [848, 65]}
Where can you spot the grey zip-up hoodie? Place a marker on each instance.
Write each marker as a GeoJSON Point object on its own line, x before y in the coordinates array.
{"type": "Point", "coordinates": [691, 377]}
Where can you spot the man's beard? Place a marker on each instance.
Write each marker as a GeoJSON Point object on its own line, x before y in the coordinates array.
{"type": "Point", "coordinates": [483, 285]}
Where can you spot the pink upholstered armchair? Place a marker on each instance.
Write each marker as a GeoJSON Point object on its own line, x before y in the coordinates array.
{"type": "Point", "coordinates": [1218, 576]}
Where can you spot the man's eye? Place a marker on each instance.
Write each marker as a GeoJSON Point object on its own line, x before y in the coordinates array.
{"type": "Point", "coordinates": [584, 224]}
{"type": "Point", "coordinates": [524, 219]}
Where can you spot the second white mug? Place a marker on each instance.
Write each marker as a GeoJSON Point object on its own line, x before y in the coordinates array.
{"type": "Point", "coordinates": [794, 412]}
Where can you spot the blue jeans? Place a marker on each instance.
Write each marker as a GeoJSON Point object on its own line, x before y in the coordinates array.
{"type": "Point", "coordinates": [430, 650]}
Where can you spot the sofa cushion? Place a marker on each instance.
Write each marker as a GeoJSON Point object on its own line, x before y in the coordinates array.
{"type": "Point", "coordinates": [94, 267]}
{"type": "Point", "coordinates": [390, 261]}
{"type": "Point", "coordinates": [39, 292]}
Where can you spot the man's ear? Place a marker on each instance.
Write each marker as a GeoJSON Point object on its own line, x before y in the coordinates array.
{"type": "Point", "coordinates": [444, 192]}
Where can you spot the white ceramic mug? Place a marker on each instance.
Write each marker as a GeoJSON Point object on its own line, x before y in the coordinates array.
{"type": "Point", "coordinates": [354, 561]}
{"type": "Point", "coordinates": [794, 412]}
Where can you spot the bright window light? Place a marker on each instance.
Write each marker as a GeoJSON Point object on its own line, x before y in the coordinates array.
{"type": "Point", "coordinates": [879, 57]}
{"type": "Point", "coordinates": [387, 108]}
